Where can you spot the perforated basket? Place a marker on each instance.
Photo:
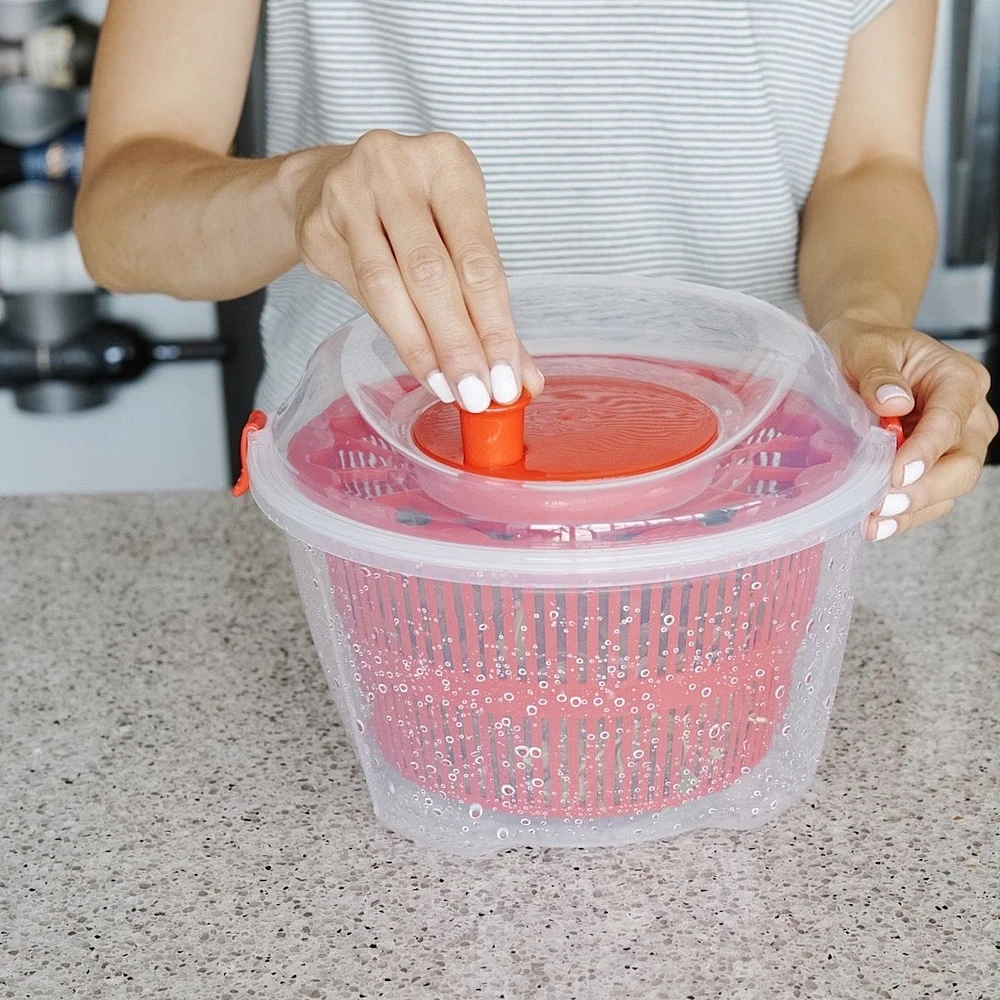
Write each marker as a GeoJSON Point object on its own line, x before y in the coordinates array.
{"type": "Point", "coordinates": [563, 702]}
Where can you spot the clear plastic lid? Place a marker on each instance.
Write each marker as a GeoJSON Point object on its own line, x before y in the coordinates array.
{"type": "Point", "coordinates": [771, 450]}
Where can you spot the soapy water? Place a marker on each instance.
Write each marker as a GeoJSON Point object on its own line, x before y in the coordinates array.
{"type": "Point", "coordinates": [552, 703]}
{"type": "Point", "coordinates": [730, 773]}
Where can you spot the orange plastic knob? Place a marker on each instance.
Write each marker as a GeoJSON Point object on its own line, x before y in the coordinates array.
{"type": "Point", "coordinates": [494, 439]}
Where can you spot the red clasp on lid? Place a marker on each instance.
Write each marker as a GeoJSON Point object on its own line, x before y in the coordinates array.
{"type": "Point", "coordinates": [255, 422]}
{"type": "Point", "coordinates": [894, 426]}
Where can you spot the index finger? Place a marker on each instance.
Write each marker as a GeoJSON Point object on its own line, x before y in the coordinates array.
{"type": "Point", "coordinates": [429, 275]}
{"type": "Point", "coordinates": [464, 224]}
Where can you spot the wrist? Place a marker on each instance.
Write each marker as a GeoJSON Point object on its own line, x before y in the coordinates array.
{"type": "Point", "coordinates": [294, 172]}
{"type": "Point", "coordinates": [300, 177]}
{"type": "Point", "coordinates": [872, 307]}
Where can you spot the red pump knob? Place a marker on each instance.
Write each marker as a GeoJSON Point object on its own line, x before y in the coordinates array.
{"type": "Point", "coordinates": [494, 439]}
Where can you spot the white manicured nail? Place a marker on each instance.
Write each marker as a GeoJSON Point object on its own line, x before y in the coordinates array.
{"type": "Point", "coordinates": [504, 383]}
{"type": "Point", "coordinates": [885, 528]}
{"type": "Point", "coordinates": [439, 386]}
{"type": "Point", "coordinates": [894, 503]}
{"type": "Point", "coordinates": [474, 395]}
{"type": "Point", "coordinates": [912, 471]}
{"type": "Point", "coordinates": [886, 392]}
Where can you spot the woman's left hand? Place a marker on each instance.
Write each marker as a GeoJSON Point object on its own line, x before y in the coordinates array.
{"type": "Point", "coordinates": [940, 394]}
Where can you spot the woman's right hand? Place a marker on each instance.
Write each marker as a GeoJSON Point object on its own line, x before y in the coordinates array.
{"type": "Point", "coordinates": [401, 223]}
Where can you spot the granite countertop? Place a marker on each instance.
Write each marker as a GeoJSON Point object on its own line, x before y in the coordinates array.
{"type": "Point", "coordinates": [183, 815]}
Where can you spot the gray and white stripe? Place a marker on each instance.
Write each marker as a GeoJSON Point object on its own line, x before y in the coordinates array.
{"type": "Point", "coordinates": [656, 137]}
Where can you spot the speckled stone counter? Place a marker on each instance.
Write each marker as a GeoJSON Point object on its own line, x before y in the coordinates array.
{"type": "Point", "coordinates": [182, 815]}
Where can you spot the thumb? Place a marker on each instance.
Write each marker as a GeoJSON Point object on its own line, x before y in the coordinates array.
{"type": "Point", "coordinates": [874, 365]}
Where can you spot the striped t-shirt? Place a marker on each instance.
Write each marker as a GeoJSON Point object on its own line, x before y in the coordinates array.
{"type": "Point", "coordinates": [657, 137]}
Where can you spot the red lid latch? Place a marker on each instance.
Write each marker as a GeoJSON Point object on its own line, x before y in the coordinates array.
{"type": "Point", "coordinates": [255, 422]}
{"type": "Point", "coordinates": [894, 426]}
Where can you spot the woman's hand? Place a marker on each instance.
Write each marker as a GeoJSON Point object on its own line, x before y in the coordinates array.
{"type": "Point", "coordinates": [940, 394]}
{"type": "Point", "coordinates": [401, 223]}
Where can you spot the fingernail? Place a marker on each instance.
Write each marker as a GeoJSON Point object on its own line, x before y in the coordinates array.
{"type": "Point", "coordinates": [885, 528]}
{"type": "Point", "coordinates": [886, 392]}
{"type": "Point", "coordinates": [473, 394]}
{"type": "Point", "coordinates": [439, 386]}
{"type": "Point", "coordinates": [894, 503]}
{"type": "Point", "coordinates": [912, 471]}
{"type": "Point", "coordinates": [504, 384]}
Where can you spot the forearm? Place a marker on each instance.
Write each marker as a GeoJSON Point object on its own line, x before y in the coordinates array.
{"type": "Point", "coordinates": [867, 244]}
{"type": "Point", "coordinates": [158, 215]}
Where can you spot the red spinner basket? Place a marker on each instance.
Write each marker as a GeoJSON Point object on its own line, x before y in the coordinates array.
{"type": "Point", "coordinates": [573, 703]}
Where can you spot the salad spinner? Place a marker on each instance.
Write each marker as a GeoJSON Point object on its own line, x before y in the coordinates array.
{"type": "Point", "coordinates": [613, 613]}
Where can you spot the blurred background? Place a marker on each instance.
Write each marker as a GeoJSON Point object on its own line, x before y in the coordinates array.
{"type": "Point", "coordinates": [106, 392]}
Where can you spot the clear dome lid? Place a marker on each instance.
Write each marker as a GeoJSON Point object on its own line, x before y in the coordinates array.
{"type": "Point", "coordinates": [679, 423]}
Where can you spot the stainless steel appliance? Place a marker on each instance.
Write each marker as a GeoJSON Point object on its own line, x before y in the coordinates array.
{"type": "Point", "coordinates": [961, 162]}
